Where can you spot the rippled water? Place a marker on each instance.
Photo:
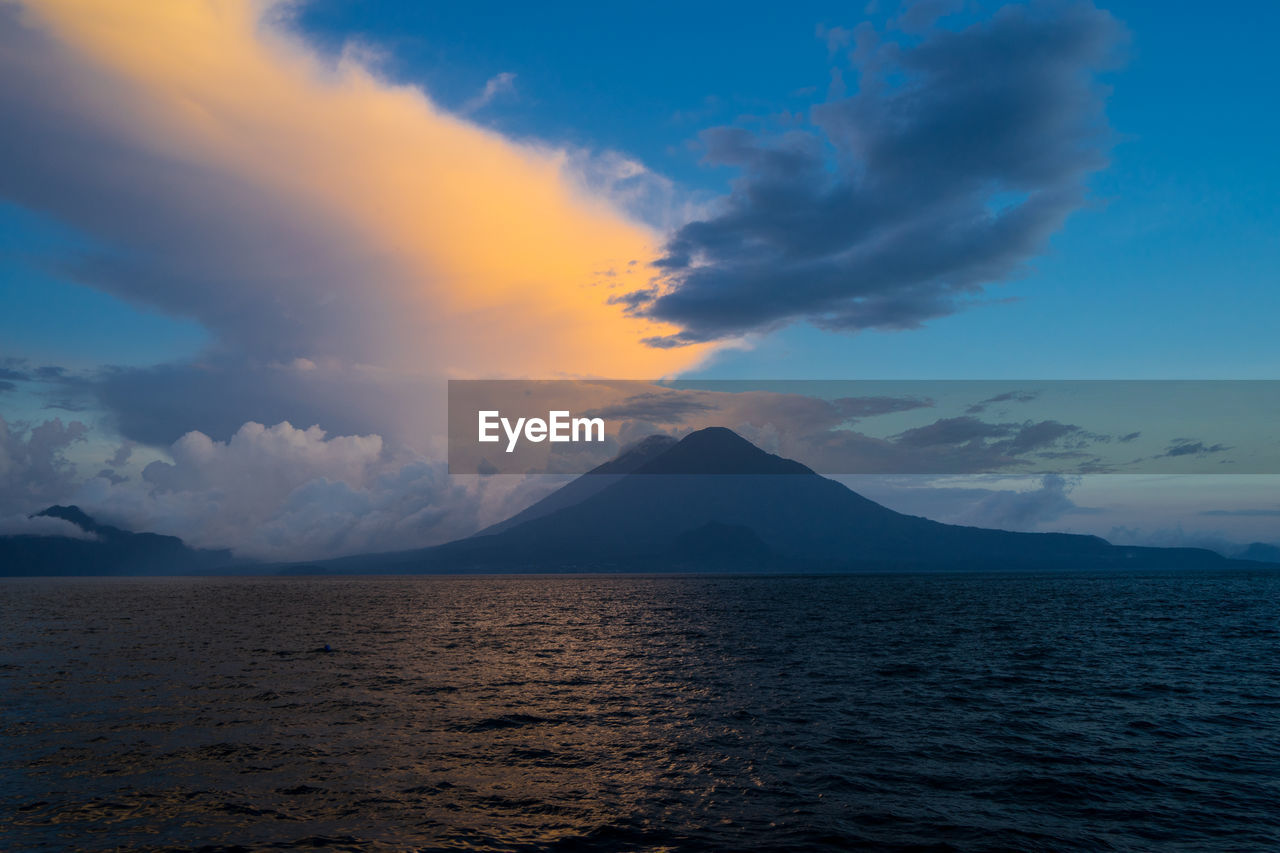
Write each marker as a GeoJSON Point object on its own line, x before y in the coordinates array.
{"type": "Point", "coordinates": [612, 713]}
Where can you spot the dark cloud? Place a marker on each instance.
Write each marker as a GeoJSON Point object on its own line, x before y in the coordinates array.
{"type": "Point", "coordinates": [1040, 435]}
{"type": "Point", "coordinates": [840, 450]}
{"type": "Point", "coordinates": [6, 386]}
{"type": "Point", "coordinates": [1188, 447]}
{"type": "Point", "coordinates": [951, 431]}
{"type": "Point", "coordinates": [950, 167]}
{"type": "Point", "coordinates": [990, 446]}
{"type": "Point", "coordinates": [1007, 397]}
{"type": "Point", "coordinates": [866, 407]}
{"type": "Point", "coordinates": [15, 369]}
{"type": "Point", "coordinates": [67, 406]}
{"type": "Point", "coordinates": [635, 300]}
{"type": "Point", "coordinates": [657, 407]}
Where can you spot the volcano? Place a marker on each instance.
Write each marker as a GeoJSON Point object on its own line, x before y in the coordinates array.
{"type": "Point", "coordinates": [713, 501]}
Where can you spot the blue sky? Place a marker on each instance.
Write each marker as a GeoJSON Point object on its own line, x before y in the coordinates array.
{"type": "Point", "coordinates": [1170, 272]}
{"type": "Point", "coordinates": [188, 271]}
{"type": "Point", "coordinates": [1148, 282]}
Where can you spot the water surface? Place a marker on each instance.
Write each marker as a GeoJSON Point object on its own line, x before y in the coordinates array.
{"type": "Point", "coordinates": [912, 712]}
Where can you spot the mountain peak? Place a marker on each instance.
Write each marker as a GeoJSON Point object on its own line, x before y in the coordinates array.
{"type": "Point", "coordinates": [72, 513]}
{"type": "Point", "coordinates": [718, 450]}
{"type": "Point", "coordinates": [634, 455]}
{"type": "Point", "coordinates": [716, 436]}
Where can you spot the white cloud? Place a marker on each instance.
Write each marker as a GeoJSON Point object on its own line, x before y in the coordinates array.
{"type": "Point", "coordinates": [1026, 509]}
{"type": "Point", "coordinates": [285, 493]}
{"type": "Point", "coordinates": [34, 470]}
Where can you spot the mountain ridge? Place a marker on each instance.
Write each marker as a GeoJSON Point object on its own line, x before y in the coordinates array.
{"type": "Point", "coordinates": [110, 551]}
{"type": "Point", "coordinates": [715, 501]}
{"type": "Point", "coordinates": [711, 501]}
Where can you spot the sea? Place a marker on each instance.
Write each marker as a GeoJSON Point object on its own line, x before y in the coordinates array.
{"type": "Point", "coordinates": [969, 712]}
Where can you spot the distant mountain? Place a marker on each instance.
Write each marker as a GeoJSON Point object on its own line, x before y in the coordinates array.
{"type": "Point", "coordinates": [108, 551]}
{"type": "Point", "coordinates": [1261, 552]}
{"type": "Point", "coordinates": [714, 501]}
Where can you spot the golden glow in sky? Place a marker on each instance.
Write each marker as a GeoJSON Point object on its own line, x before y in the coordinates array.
{"type": "Point", "coordinates": [487, 257]}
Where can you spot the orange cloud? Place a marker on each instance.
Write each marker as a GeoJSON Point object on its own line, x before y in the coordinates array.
{"type": "Point", "coordinates": [487, 257]}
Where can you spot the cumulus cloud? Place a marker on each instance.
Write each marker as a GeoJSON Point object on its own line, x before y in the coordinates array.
{"type": "Point", "coordinates": [957, 157]}
{"type": "Point", "coordinates": [34, 469]}
{"type": "Point", "coordinates": [1027, 509]}
{"type": "Point", "coordinates": [285, 493]}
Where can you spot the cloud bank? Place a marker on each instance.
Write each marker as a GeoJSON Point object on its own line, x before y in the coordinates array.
{"type": "Point", "coordinates": [285, 493]}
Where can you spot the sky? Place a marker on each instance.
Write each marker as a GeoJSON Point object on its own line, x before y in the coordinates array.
{"type": "Point", "coordinates": [243, 244]}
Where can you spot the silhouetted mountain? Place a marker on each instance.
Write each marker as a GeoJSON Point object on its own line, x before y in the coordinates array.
{"type": "Point", "coordinates": [595, 480]}
{"type": "Point", "coordinates": [715, 501]}
{"type": "Point", "coordinates": [111, 551]}
{"type": "Point", "coordinates": [1261, 552]}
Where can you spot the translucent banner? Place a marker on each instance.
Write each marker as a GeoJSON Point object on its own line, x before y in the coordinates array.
{"type": "Point", "coordinates": [878, 426]}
